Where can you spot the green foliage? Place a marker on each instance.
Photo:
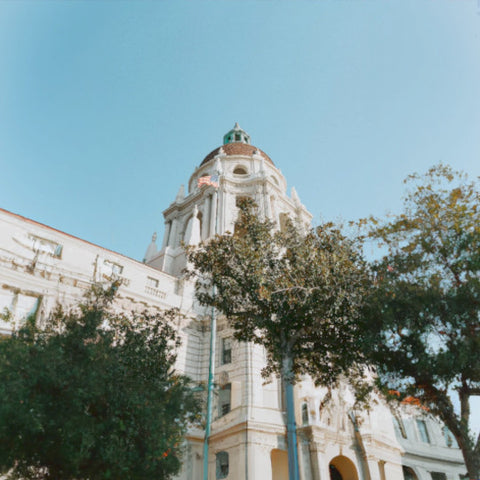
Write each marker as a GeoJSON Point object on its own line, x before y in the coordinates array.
{"type": "Point", "coordinates": [296, 293]}
{"type": "Point", "coordinates": [422, 319]}
{"type": "Point", "coordinates": [93, 395]}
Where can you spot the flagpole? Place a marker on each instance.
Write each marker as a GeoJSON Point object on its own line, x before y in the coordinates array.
{"type": "Point", "coordinates": [211, 367]}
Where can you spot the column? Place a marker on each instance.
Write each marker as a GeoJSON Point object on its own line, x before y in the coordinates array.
{"type": "Point", "coordinates": [207, 211]}
{"type": "Point", "coordinates": [213, 212]}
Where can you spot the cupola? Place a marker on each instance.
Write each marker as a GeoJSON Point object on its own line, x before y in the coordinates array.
{"type": "Point", "coordinates": [236, 134]}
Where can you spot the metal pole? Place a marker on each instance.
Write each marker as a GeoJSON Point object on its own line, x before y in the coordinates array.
{"type": "Point", "coordinates": [211, 374]}
{"type": "Point", "coordinates": [211, 369]}
{"type": "Point", "coordinates": [291, 434]}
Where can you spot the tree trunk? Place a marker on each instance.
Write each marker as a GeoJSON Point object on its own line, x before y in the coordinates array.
{"type": "Point", "coordinates": [473, 465]}
{"type": "Point", "coordinates": [470, 456]}
{"type": "Point", "coordinates": [293, 472]}
{"type": "Point", "coordinates": [467, 446]}
{"type": "Point", "coordinates": [459, 429]}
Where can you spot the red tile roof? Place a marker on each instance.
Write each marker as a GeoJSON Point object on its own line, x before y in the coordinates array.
{"type": "Point", "coordinates": [236, 148]}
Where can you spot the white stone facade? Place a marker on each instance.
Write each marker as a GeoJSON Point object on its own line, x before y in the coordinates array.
{"type": "Point", "coordinates": [41, 266]}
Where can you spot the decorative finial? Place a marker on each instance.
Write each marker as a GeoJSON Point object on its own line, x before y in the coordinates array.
{"type": "Point", "coordinates": [217, 168]}
{"type": "Point", "coordinates": [180, 195]}
{"type": "Point", "coordinates": [151, 249]}
{"type": "Point", "coordinates": [295, 198]}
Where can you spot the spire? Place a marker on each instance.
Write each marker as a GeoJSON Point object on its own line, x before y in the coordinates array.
{"type": "Point", "coordinates": [151, 249]}
{"type": "Point", "coordinates": [295, 198]}
{"type": "Point", "coordinates": [236, 134]}
{"type": "Point", "coordinates": [180, 195]}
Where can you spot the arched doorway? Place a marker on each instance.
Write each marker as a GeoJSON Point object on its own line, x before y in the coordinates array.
{"type": "Point", "coordinates": [342, 468]}
{"type": "Point", "coordinates": [279, 460]}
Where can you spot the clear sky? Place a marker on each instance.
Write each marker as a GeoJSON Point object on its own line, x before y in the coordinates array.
{"type": "Point", "coordinates": [106, 107]}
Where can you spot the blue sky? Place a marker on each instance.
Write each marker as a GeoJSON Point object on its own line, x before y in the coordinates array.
{"type": "Point", "coordinates": [106, 107]}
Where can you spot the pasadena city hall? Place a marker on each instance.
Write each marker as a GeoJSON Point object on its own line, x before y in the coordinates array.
{"type": "Point", "coordinates": [41, 266]}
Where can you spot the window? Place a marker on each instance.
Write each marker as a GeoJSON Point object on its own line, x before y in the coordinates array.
{"type": "Point", "coordinates": [152, 282]}
{"type": "Point", "coordinates": [240, 171]}
{"type": "Point", "coordinates": [224, 396]}
{"type": "Point", "coordinates": [18, 306]}
{"type": "Point", "coordinates": [449, 438]}
{"type": "Point", "coordinates": [27, 306]}
{"type": "Point", "coordinates": [438, 476]}
{"type": "Point", "coordinates": [399, 427]}
{"type": "Point", "coordinates": [112, 269]}
{"type": "Point", "coordinates": [41, 245]}
{"type": "Point", "coordinates": [222, 465]}
{"type": "Point", "coordinates": [422, 429]}
{"type": "Point", "coordinates": [304, 414]}
{"type": "Point", "coordinates": [226, 351]}
{"type": "Point", "coordinates": [238, 137]}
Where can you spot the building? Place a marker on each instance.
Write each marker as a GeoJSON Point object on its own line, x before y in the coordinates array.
{"type": "Point", "coordinates": [40, 266]}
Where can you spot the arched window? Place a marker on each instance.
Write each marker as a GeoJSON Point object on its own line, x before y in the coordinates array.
{"type": "Point", "coordinates": [222, 466]}
{"type": "Point", "coordinates": [239, 170]}
{"type": "Point", "coordinates": [409, 474]}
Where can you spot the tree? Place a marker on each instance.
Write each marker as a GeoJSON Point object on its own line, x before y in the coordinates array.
{"type": "Point", "coordinates": [422, 319]}
{"type": "Point", "coordinates": [93, 395]}
{"type": "Point", "coordinates": [298, 294]}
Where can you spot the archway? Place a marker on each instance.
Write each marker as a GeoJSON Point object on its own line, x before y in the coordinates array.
{"type": "Point", "coordinates": [342, 468]}
{"type": "Point", "coordinates": [409, 473]}
{"type": "Point", "coordinates": [279, 460]}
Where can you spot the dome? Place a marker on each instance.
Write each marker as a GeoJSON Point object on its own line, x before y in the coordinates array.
{"type": "Point", "coordinates": [236, 148]}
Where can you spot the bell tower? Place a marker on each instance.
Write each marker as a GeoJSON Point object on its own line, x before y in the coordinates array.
{"type": "Point", "coordinates": [234, 170]}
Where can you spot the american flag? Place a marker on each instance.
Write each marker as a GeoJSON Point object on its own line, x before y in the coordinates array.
{"type": "Point", "coordinates": [209, 180]}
